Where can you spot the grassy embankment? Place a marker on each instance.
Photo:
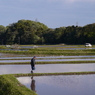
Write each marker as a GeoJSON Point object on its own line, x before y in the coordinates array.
{"type": "Point", "coordinates": [9, 85]}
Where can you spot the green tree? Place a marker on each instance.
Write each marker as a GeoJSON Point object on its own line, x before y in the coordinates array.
{"type": "Point", "coordinates": [2, 34]}
{"type": "Point", "coordinates": [59, 35]}
{"type": "Point", "coordinates": [25, 32]}
{"type": "Point", "coordinates": [49, 36]}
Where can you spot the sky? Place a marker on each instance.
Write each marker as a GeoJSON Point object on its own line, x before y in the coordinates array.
{"type": "Point", "coordinates": [53, 13]}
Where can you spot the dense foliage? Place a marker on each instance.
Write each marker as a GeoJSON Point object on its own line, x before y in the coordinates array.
{"type": "Point", "coordinates": [33, 32]}
{"type": "Point", "coordinates": [2, 34]}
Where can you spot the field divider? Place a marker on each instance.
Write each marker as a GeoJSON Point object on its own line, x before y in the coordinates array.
{"type": "Point", "coordinates": [50, 62]}
{"type": "Point", "coordinates": [50, 74]}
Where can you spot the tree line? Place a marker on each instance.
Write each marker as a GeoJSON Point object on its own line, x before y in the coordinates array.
{"type": "Point", "coordinates": [34, 32]}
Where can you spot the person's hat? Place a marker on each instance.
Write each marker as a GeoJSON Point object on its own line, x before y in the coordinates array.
{"type": "Point", "coordinates": [34, 57]}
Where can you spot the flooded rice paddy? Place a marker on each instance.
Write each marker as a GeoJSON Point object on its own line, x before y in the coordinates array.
{"type": "Point", "coordinates": [48, 68]}
{"type": "Point", "coordinates": [47, 59]}
{"type": "Point", "coordinates": [54, 85]}
{"type": "Point", "coordinates": [61, 85]}
{"type": "Point", "coordinates": [74, 48]}
{"type": "Point", "coordinates": [62, 47]}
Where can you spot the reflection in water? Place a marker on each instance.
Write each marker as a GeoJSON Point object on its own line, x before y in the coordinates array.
{"type": "Point", "coordinates": [33, 84]}
{"type": "Point", "coordinates": [62, 84]}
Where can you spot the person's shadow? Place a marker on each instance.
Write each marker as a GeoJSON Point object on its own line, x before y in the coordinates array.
{"type": "Point", "coordinates": [32, 84]}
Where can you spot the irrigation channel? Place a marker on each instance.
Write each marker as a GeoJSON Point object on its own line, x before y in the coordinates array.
{"type": "Point", "coordinates": [55, 84]}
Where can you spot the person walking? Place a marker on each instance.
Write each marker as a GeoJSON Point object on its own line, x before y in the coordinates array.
{"type": "Point", "coordinates": [33, 64]}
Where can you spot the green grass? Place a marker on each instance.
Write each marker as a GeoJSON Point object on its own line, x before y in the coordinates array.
{"type": "Point", "coordinates": [49, 74]}
{"type": "Point", "coordinates": [9, 85]}
{"type": "Point", "coordinates": [52, 62]}
{"type": "Point", "coordinates": [54, 57]}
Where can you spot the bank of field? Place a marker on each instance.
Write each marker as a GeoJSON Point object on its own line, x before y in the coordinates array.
{"type": "Point", "coordinates": [52, 62]}
{"type": "Point", "coordinates": [9, 85]}
{"type": "Point", "coordinates": [54, 74]}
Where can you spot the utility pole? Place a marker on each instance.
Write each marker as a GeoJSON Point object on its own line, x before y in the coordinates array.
{"type": "Point", "coordinates": [36, 20]}
{"type": "Point", "coordinates": [76, 23]}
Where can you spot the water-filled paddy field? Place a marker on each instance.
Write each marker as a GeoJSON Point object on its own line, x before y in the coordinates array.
{"type": "Point", "coordinates": [53, 85]}
{"type": "Point", "coordinates": [63, 47]}
{"type": "Point", "coordinates": [48, 68]}
{"type": "Point", "coordinates": [61, 85]}
{"type": "Point", "coordinates": [47, 59]}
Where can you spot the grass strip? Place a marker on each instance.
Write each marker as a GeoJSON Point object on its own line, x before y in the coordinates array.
{"type": "Point", "coordinates": [49, 74]}
{"type": "Point", "coordinates": [47, 51]}
{"type": "Point", "coordinates": [9, 85]}
{"type": "Point", "coordinates": [47, 58]}
{"type": "Point", "coordinates": [52, 62]}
